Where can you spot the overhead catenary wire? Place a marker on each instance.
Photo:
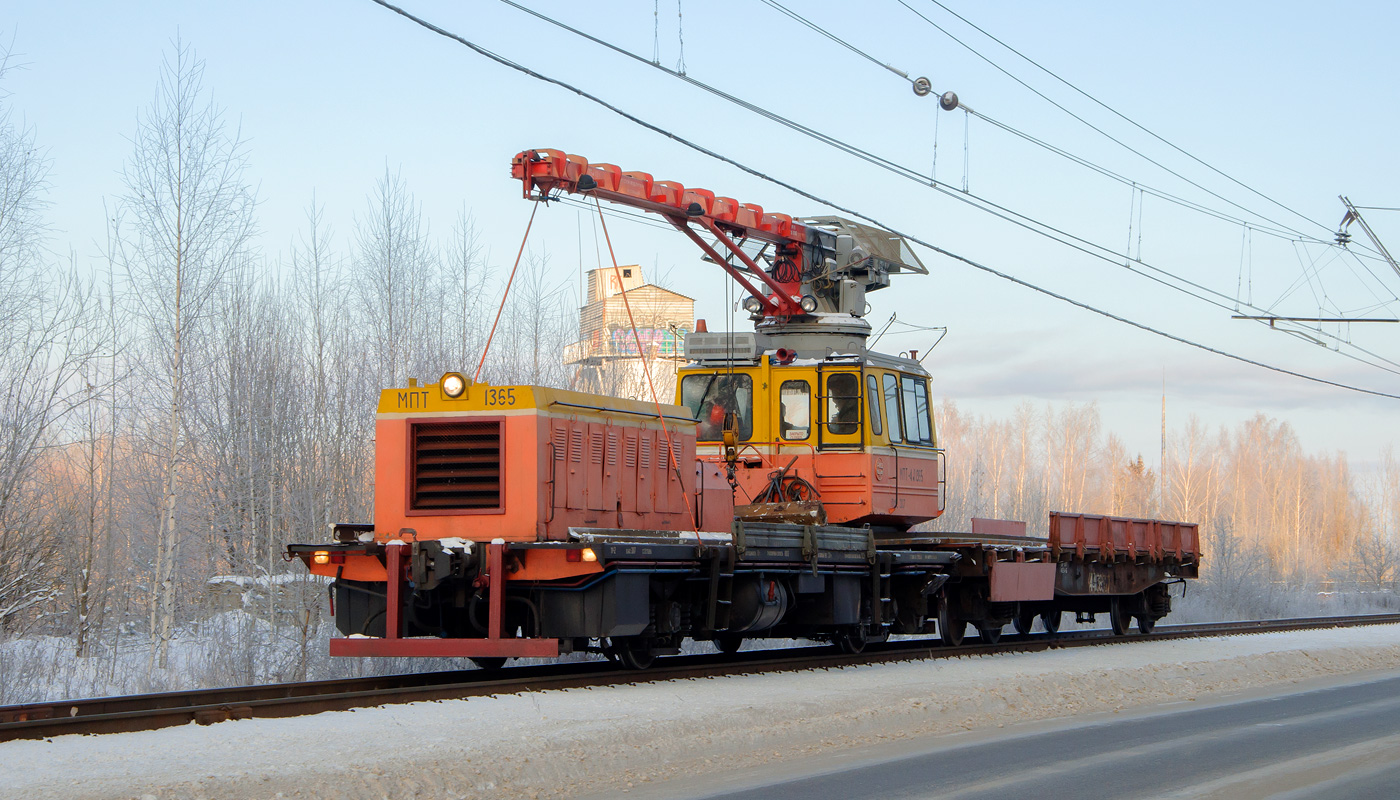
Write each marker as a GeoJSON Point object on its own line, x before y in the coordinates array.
{"type": "Point", "coordinates": [900, 169]}
{"type": "Point", "coordinates": [1281, 231]}
{"type": "Point", "coordinates": [1108, 135]}
{"type": "Point", "coordinates": [680, 36]}
{"type": "Point", "coordinates": [1107, 254]}
{"type": "Point", "coordinates": [790, 14]}
{"type": "Point", "coordinates": [1101, 104]}
{"type": "Point", "coordinates": [1103, 253]}
{"type": "Point", "coordinates": [817, 199]}
{"type": "Point", "coordinates": [1142, 187]}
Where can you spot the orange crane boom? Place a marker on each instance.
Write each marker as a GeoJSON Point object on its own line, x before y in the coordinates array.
{"type": "Point", "coordinates": [544, 171]}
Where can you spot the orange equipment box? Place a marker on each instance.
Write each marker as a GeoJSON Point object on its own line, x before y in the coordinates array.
{"type": "Point", "coordinates": [526, 463]}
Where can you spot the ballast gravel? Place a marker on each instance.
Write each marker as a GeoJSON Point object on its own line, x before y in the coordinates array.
{"type": "Point", "coordinates": [577, 742]}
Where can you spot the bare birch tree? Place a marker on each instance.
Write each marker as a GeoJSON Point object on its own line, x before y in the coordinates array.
{"type": "Point", "coordinates": [465, 283]}
{"type": "Point", "coordinates": [42, 350]}
{"type": "Point", "coordinates": [316, 281]}
{"type": "Point", "coordinates": [394, 271]}
{"type": "Point", "coordinates": [186, 217]}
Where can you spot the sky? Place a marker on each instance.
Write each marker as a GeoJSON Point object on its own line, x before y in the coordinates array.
{"type": "Point", "coordinates": [1288, 99]}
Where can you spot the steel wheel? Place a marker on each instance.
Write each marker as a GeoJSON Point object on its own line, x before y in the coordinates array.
{"type": "Point", "coordinates": [1146, 624]}
{"type": "Point", "coordinates": [950, 627]}
{"type": "Point", "coordinates": [1023, 621]}
{"type": "Point", "coordinates": [990, 634]}
{"type": "Point", "coordinates": [1051, 622]}
{"type": "Point", "coordinates": [634, 652]}
{"type": "Point", "coordinates": [489, 662]}
{"type": "Point", "coordinates": [728, 642]}
{"type": "Point", "coordinates": [1119, 615]}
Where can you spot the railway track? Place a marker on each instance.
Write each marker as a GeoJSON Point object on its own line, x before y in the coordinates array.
{"type": "Point", "coordinates": [207, 706]}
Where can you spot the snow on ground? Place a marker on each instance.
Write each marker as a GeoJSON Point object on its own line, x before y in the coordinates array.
{"type": "Point", "coordinates": [580, 741]}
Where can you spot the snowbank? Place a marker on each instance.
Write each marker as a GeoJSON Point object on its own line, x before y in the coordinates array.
{"type": "Point", "coordinates": [558, 743]}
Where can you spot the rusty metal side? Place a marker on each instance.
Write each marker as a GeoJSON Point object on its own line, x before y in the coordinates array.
{"type": "Point", "coordinates": [1108, 538]}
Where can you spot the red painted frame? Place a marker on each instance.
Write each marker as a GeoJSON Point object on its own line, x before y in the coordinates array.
{"type": "Point", "coordinates": [393, 643]}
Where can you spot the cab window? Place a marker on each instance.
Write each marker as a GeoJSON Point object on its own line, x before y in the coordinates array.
{"type": "Point", "coordinates": [796, 419]}
{"type": "Point", "coordinates": [843, 403]}
{"type": "Point", "coordinates": [916, 420]}
{"type": "Point", "coordinates": [712, 397]}
{"type": "Point", "coordinates": [872, 399]}
{"type": "Point", "coordinates": [892, 406]}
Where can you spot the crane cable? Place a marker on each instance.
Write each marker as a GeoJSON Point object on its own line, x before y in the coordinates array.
{"type": "Point", "coordinates": [815, 198]}
{"type": "Point", "coordinates": [484, 350]}
{"type": "Point", "coordinates": [671, 457]}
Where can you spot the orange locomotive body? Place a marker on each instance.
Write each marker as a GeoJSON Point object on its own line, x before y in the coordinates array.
{"type": "Point", "coordinates": [529, 463]}
{"type": "Point", "coordinates": [777, 498]}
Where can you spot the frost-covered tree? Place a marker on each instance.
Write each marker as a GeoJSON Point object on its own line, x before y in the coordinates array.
{"type": "Point", "coordinates": [465, 276]}
{"type": "Point", "coordinates": [394, 268]}
{"type": "Point", "coordinates": [43, 348]}
{"type": "Point", "coordinates": [184, 221]}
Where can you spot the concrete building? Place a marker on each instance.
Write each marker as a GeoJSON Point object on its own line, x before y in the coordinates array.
{"type": "Point", "coordinates": [605, 357]}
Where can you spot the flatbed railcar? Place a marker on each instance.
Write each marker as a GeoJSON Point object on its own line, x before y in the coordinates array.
{"type": "Point", "coordinates": [778, 498]}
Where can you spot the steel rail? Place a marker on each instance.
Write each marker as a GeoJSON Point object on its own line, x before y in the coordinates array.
{"type": "Point", "coordinates": [207, 706]}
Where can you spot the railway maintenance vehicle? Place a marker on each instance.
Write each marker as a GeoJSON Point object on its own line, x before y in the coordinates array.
{"type": "Point", "coordinates": [779, 496]}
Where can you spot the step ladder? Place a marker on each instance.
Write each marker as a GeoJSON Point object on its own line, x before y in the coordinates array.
{"type": "Point", "coordinates": [721, 586]}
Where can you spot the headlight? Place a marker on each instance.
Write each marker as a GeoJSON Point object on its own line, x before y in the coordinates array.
{"type": "Point", "coordinates": [321, 557]}
{"type": "Point", "coordinates": [453, 384]}
{"type": "Point", "coordinates": [752, 304]}
{"type": "Point", "coordinates": [809, 303]}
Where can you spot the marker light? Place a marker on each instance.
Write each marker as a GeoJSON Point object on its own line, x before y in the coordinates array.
{"type": "Point", "coordinates": [453, 385]}
{"type": "Point", "coordinates": [321, 557]}
{"type": "Point", "coordinates": [589, 555]}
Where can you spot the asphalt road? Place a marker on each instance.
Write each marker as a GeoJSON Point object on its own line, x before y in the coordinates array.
{"type": "Point", "coordinates": [1333, 742]}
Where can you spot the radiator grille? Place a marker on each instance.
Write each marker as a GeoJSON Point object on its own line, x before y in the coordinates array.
{"type": "Point", "coordinates": [456, 465]}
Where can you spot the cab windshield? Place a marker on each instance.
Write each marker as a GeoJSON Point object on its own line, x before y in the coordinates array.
{"type": "Point", "coordinates": [711, 397]}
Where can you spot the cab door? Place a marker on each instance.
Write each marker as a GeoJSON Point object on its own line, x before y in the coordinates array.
{"type": "Point", "coordinates": [792, 408]}
{"type": "Point", "coordinates": [841, 412]}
